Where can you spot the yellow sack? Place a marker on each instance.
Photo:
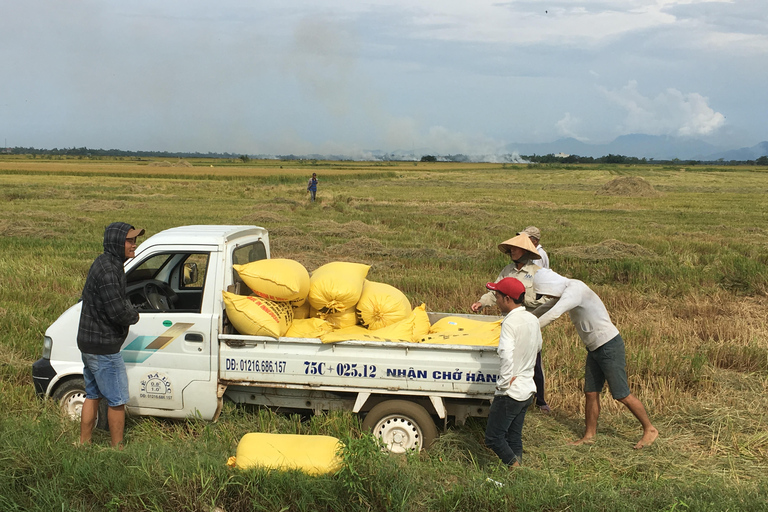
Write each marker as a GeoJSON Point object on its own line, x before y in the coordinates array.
{"type": "Point", "coordinates": [340, 319]}
{"type": "Point", "coordinates": [458, 323]}
{"type": "Point", "coordinates": [421, 323]}
{"type": "Point", "coordinates": [279, 280]}
{"type": "Point", "coordinates": [314, 455]}
{"type": "Point", "coordinates": [255, 316]}
{"type": "Point", "coordinates": [308, 328]}
{"type": "Point", "coordinates": [477, 333]}
{"type": "Point", "coordinates": [300, 312]}
{"type": "Point", "coordinates": [381, 305]}
{"type": "Point", "coordinates": [401, 332]}
{"type": "Point", "coordinates": [337, 286]}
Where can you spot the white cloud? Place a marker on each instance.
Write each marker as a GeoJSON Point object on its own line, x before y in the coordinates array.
{"type": "Point", "coordinates": [568, 126]}
{"type": "Point", "coordinates": [668, 113]}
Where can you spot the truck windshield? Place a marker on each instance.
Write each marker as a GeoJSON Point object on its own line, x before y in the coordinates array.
{"type": "Point", "coordinates": [149, 268]}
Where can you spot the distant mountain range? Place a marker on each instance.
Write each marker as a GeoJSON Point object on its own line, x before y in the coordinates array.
{"type": "Point", "coordinates": [658, 147]}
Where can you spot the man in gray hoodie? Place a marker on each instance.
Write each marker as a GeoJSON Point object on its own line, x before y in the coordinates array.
{"type": "Point", "coordinates": [104, 320]}
{"type": "Point", "coordinates": [605, 348]}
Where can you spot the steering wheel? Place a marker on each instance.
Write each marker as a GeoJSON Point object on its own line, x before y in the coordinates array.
{"type": "Point", "coordinates": [159, 295]}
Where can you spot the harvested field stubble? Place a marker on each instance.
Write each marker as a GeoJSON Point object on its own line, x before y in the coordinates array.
{"type": "Point", "coordinates": [684, 279]}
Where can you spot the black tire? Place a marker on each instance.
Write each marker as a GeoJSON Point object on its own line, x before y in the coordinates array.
{"type": "Point", "coordinates": [70, 395]}
{"type": "Point", "coordinates": [401, 425]}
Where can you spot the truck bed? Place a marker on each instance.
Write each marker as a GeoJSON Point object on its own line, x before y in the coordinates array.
{"type": "Point", "coordinates": [450, 371]}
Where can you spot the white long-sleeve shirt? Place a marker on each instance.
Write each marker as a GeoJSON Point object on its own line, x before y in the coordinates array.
{"type": "Point", "coordinates": [519, 343]}
{"type": "Point", "coordinates": [542, 262]}
{"type": "Point", "coordinates": [587, 311]}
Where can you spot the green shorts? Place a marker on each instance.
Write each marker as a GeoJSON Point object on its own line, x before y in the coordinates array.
{"type": "Point", "coordinates": [607, 363]}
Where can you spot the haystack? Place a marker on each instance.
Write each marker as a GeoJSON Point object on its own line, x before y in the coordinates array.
{"type": "Point", "coordinates": [632, 186]}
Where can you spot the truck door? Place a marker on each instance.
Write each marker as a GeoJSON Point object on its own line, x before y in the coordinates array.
{"type": "Point", "coordinates": [168, 352]}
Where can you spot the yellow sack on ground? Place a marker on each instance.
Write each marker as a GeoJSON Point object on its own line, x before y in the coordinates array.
{"type": "Point", "coordinates": [300, 312]}
{"type": "Point", "coordinates": [337, 286]}
{"type": "Point", "coordinates": [308, 328]}
{"type": "Point", "coordinates": [479, 334]}
{"type": "Point", "coordinates": [255, 316]}
{"type": "Point", "coordinates": [381, 305]}
{"type": "Point", "coordinates": [314, 455]}
{"type": "Point", "coordinates": [401, 332]}
{"type": "Point", "coordinates": [279, 280]}
{"type": "Point", "coordinates": [421, 323]}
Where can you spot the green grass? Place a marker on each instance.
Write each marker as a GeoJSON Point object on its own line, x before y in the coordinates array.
{"type": "Point", "coordinates": [687, 288]}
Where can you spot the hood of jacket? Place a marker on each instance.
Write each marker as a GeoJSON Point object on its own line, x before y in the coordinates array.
{"type": "Point", "coordinates": [548, 282]}
{"type": "Point", "coordinates": [114, 239]}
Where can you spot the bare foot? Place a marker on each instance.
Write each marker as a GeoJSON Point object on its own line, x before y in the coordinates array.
{"type": "Point", "coordinates": [583, 440]}
{"type": "Point", "coordinates": [648, 438]}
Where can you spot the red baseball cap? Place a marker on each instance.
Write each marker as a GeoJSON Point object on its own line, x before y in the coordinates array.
{"type": "Point", "coordinates": [508, 286]}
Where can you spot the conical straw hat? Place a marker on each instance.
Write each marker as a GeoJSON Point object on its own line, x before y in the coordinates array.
{"type": "Point", "coordinates": [522, 241]}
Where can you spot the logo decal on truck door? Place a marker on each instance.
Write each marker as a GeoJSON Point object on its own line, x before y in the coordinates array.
{"type": "Point", "coordinates": [156, 385]}
{"type": "Point", "coordinates": [139, 350]}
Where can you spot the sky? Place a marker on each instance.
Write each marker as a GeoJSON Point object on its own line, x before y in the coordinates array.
{"type": "Point", "coordinates": [264, 77]}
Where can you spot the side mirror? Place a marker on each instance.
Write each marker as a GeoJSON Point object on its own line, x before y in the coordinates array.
{"type": "Point", "coordinates": [190, 273]}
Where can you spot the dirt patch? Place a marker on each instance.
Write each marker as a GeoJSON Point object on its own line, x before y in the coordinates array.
{"type": "Point", "coordinates": [632, 186]}
{"type": "Point", "coordinates": [607, 250]}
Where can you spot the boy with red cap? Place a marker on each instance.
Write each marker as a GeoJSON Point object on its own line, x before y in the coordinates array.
{"type": "Point", "coordinates": [519, 343]}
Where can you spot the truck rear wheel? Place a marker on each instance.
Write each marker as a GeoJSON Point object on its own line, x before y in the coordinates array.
{"type": "Point", "coordinates": [401, 425]}
{"type": "Point", "coordinates": [70, 396]}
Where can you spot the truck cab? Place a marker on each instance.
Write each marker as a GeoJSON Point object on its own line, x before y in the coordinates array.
{"type": "Point", "coordinates": [171, 355]}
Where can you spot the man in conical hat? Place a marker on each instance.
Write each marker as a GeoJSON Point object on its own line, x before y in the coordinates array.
{"type": "Point", "coordinates": [522, 252]}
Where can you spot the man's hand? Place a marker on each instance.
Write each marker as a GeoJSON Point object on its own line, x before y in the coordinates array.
{"type": "Point", "coordinates": [476, 307]}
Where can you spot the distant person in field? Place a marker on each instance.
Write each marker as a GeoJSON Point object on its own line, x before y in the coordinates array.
{"type": "Point", "coordinates": [535, 235]}
{"type": "Point", "coordinates": [605, 348]}
{"type": "Point", "coordinates": [519, 343]}
{"type": "Point", "coordinates": [312, 186]}
{"type": "Point", "coordinates": [522, 252]}
{"type": "Point", "coordinates": [104, 320]}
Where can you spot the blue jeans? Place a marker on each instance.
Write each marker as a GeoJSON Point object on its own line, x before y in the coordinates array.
{"type": "Point", "coordinates": [504, 432]}
{"type": "Point", "coordinates": [105, 377]}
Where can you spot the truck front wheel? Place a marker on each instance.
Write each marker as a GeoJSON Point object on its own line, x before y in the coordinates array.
{"type": "Point", "coordinates": [401, 425]}
{"type": "Point", "coordinates": [70, 396]}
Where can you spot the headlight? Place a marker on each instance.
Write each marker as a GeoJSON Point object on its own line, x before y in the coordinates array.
{"type": "Point", "coordinates": [47, 346]}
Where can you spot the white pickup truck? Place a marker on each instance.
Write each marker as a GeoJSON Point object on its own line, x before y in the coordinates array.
{"type": "Point", "coordinates": [183, 357]}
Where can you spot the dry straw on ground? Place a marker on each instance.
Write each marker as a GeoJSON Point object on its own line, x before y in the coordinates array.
{"type": "Point", "coordinates": [633, 186]}
{"type": "Point", "coordinates": [607, 249]}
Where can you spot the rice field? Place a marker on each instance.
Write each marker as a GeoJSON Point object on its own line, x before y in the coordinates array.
{"type": "Point", "coordinates": [683, 272]}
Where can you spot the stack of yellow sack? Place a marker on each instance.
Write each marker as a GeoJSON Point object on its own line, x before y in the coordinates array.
{"type": "Point", "coordinates": [337, 303]}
